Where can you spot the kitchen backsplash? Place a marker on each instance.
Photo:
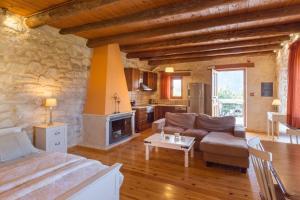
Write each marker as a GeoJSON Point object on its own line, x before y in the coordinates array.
{"type": "Point", "coordinates": [142, 98]}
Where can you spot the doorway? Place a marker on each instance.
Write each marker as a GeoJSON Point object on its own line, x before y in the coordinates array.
{"type": "Point", "coordinates": [228, 94]}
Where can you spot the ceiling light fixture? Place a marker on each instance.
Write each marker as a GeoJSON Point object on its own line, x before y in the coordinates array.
{"type": "Point", "coordinates": [169, 69]}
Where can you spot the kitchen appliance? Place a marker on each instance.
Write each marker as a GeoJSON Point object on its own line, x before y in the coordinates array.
{"type": "Point", "coordinates": [150, 114]}
{"type": "Point", "coordinates": [199, 98]}
{"type": "Point", "coordinates": [132, 102]}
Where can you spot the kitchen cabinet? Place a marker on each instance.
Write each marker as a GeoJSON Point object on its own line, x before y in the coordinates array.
{"type": "Point", "coordinates": [150, 79]}
{"type": "Point", "coordinates": [132, 78]}
{"type": "Point", "coordinates": [160, 110]}
{"type": "Point", "coordinates": [141, 119]}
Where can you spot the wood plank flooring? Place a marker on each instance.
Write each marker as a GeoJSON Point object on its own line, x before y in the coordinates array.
{"type": "Point", "coordinates": [165, 177]}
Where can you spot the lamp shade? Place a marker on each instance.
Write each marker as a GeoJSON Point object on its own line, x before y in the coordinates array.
{"type": "Point", "coordinates": [50, 102]}
{"type": "Point", "coordinates": [276, 102]}
{"type": "Point", "coordinates": [169, 69]}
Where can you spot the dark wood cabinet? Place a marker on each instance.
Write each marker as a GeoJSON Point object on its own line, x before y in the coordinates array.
{"type": "Point", "coordinates": [150, 79]}
{"type": "Point", "coordinates": [154, 81]}
{"type": "Point", "coordinates": [132, 78]}
{"type": "Point", "coordinates": [160, 111]}
{"type": "Point", "coordinates": [141, 119]}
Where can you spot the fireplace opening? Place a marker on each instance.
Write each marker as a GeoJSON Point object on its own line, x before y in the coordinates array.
{"type": "Point", "coordinates": [120, 128]}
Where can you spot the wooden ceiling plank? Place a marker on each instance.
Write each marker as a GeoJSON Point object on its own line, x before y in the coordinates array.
{"type": "Point", "coordinates": [199, 25]}
{"type": "Point", "coordinates": [169, 11]}
{"type": "Point", "coordinates": [220, 52]}
{"type": "Point", "coordinates": [207, 58]}
{"type": "Point", "coordinates": [66, 10]}
{"type": "Point", "coordinates": [203, 48]}
{"type": "Point", "coordinates": [275, 30]}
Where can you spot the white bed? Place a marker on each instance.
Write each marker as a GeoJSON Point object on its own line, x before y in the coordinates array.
{"type": "Point", "coordinates": [42, 175]}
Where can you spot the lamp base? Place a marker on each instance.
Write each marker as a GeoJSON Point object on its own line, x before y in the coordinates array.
{"type": "Point", "coordinates": [275, 108]}
{"type": "Point", "coordinates": [50, 118]}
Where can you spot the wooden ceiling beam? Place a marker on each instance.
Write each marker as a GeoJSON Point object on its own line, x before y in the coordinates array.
{"type": "Point", "coordinates": [207, 58]}
{"type": "Point", "coordinates": [202, 48]}
{"type": "Point", "coordinates": [188, 28]}
{"type": "Point", "coordinates": [220, 52]}
{"type": "Point", "coordinates": [69, 9]}
{"type": "Point", "coordinates": [166, 13]}
{"type": "Point", "coordinates": [276, 30]}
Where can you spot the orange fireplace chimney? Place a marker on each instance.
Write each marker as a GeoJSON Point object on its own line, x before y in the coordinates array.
{"type": "Point", "coordinates": [106, 79]}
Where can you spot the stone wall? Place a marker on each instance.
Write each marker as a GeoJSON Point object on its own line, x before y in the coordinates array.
{"type": "Point", "coordinates": [282, 59]}
{"type": "Point", "coordinates": [264, 71]}
{"type": "Point", "coordinates": [282, 76]}
{"type": "Point", "coordinates": [39, 63]}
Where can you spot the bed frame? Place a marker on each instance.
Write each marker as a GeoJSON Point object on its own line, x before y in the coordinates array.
{"type": "Point", "coordinates": [4, 131]}
{"type": "Point", "coordinates": [105, 185]}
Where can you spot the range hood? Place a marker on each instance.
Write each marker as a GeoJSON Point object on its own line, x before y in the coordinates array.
{"type": "Point", "coordinates": [143, 83]}
{"type": "Point", "coordinates": [144, 87]}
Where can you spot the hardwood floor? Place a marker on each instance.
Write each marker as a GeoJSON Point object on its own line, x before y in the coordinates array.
{"type": "Point", "coordinates": [165, 177]}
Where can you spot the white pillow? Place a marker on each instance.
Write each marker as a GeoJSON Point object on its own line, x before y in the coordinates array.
{"type": "Point", "coordinates": [15, 145]}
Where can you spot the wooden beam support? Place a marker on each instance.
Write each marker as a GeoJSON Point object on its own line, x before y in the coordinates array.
{"type": "Point", "coordinates": [167, 12]}
{"type": "Point", "coordinates": [193, 49]}
{"type": "Point", "coordinates": [234, 66]}
{"type": "Point", "coordinates": [207, 58]}
{"type": "Point", "coordinates": [220, 52]}
{"type": "Point", "coordinates": [177, 73]}
{"type": "Point", "coordinates": [66, 10]}
{"type": "Point", "coordinates": [202, 25]}
{"type": "Point", "coordinates": [276, 30]}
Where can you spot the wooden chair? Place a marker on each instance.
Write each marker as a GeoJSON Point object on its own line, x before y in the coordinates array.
{"type": "Point", "coordinates": [293, 132]}
{"type": "Point", "coordinates": [265, 172]}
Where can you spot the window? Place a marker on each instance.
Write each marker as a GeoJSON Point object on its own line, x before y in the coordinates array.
{"type": "Point", "coordinates": [176, 87]}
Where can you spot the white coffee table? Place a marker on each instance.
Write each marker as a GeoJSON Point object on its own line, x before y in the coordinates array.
{"type": "Point", "coordinates": [185, 145]}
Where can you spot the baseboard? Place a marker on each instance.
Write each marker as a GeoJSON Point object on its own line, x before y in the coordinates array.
{"type": "Point", "coordinates": [256, 131]}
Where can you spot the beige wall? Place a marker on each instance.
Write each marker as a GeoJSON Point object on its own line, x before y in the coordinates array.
{"type": "Point", "coordinates": [264, 71]}
{"type": "Point", "coordinates": [38, 63]}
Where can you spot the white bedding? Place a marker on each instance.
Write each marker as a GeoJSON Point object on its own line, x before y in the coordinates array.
{"type": "Point", "coordinates": [53, 176]}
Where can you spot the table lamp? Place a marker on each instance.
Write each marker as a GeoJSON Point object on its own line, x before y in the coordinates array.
{"type": "Point", "coordinates": [50, 103]}
{"type": "Point", "coordinates": [276, 103]}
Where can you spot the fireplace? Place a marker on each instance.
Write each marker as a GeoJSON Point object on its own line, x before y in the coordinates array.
{"type": "Point", "coordinates": [119, 128]}
{"type": "Point", "coordinates": [107, 131]}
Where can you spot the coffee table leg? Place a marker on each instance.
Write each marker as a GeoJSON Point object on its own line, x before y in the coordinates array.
{"type": "Point", "coordinates": [156, 149]}
{"type": "Point", "coordinates": [186, 158]}
{"type": "Point", "coordinates": [192, 152]}
{"type": "Point", "coordinates": [147, 151]}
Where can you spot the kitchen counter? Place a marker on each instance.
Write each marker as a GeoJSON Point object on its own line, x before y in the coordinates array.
{"type": "Point", "coordinates": [154, 105]}
{"type": "Point", "coordinates": [159, 111]}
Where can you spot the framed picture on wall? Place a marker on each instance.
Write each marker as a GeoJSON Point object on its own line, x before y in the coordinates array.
{"type": "Point", "coordinates": [267, 89]}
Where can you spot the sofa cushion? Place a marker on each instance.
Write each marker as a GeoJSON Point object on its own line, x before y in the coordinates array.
{"type": "Point", "coordinates": [224, 144]}
{"type": "Point", "coordinates": [172, 130]}
{"type": "Point", "coordinates": [182, 120]}
{"type": "Point", "coordinates": [197, 133]}
{"type": "Point", "coordinates": [215, 124]}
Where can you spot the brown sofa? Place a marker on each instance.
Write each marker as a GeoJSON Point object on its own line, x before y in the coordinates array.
{"type": "Point", "coordinates": [217, 137]}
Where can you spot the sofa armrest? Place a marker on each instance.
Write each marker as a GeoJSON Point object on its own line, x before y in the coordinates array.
{"type": "Point", "coordinates": [239, 131]}
{"type": "Point", "coordinates": [158, 125]}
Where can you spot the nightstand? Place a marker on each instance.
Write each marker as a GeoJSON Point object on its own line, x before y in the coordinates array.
{"type": "Point", "coordinates": [51, 138]}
